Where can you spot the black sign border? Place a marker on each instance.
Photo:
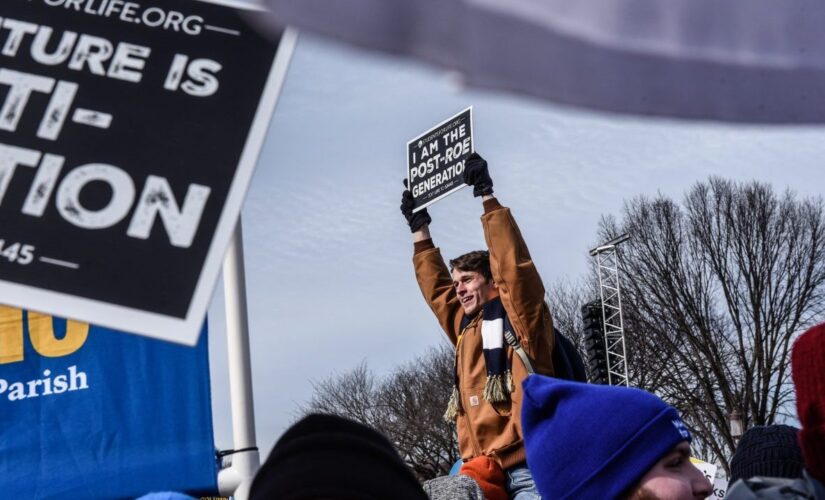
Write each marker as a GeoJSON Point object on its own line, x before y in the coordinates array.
{"type": "Point", "coordinates": [160, 326]}
{"type": "Point", "coordinates": [428, 132]}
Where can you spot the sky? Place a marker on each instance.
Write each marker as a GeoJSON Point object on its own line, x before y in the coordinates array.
{"type": "Point", "coordinates": [328, 254]}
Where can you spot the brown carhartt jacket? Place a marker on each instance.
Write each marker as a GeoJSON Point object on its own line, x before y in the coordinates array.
{"type": "Point", "coordinates": [482, 428]}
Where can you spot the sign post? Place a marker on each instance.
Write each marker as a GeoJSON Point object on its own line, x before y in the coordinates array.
{"type": "Point", "coordinates": [435, 159]}
{"type": "Point", "coordinates": [128, 136]}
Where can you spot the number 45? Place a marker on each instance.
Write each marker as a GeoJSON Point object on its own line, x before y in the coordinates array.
{"type": "Point", "coordinates": [22, 254]}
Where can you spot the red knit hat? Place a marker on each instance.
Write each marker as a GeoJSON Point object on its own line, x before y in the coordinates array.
{"type": "Point", "coordinates": [488, 475]}
{"type": "Point", "coordinates": [808, 368]}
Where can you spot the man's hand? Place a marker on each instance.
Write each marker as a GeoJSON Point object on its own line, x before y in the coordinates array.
{"type": "Point", "coordinates": [476, 175]}
{"type": "Point", "coordinates": [417, 220]}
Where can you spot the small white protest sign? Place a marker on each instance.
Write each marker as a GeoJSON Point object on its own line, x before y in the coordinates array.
{"type": "Point", "coordinates": [711, 472]}
{"type": "Point", "coordinates": [435, 159]}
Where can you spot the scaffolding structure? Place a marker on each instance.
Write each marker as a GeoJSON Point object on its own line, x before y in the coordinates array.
{"type": "Point", "coordinates": [607, 262]}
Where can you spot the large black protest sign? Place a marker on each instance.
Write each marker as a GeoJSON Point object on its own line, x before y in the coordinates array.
{"type": "Point", "coordinates": [128, 135]}
{"type": "Point", "coordinates": [435, 159]}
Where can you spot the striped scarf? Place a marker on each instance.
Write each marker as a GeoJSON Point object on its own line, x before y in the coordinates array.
{"type": "Point", "coordinates": [499, 382]}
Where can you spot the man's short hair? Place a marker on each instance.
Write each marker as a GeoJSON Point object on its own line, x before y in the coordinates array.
{"type": "Point", "coordinates": [476, 261]}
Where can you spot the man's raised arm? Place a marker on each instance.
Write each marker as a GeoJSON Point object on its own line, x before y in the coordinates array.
{"type": "Point", "coordinates": [519, 283]}
{"type": "Point", "coordinates": [430, 271]}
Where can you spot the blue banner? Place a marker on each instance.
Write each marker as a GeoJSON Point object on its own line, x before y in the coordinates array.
{"type": "Point", "coordinates": [88, 412]}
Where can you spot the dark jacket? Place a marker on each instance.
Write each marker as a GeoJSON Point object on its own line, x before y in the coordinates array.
{"type": "Point", "coordinates": [804, 488]}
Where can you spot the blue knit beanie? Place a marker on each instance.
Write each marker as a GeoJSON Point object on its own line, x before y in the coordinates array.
{"type": "Point", "coordinates": [593, 441]}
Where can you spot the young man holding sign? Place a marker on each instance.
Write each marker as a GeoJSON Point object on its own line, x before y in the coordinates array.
{"type": "Point", "coordinates": [491, 306]}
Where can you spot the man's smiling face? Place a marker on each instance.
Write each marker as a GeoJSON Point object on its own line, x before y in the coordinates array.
{"type": "Point", "coordinates": [473, 290]}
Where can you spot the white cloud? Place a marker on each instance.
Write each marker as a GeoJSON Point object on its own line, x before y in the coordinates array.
{"type": "Point", "coordinates": [328, 254]}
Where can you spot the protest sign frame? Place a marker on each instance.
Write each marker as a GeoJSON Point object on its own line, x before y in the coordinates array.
{"type": "Point", "coordinates": [430, 131]}
{"type": "Point", "coordinates": [179, 328]}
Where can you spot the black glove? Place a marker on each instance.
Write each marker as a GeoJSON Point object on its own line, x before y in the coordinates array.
{"type": "Point", "coordinates": [476, 175]}
{"type": "Point", "coordinates": [415, 220]}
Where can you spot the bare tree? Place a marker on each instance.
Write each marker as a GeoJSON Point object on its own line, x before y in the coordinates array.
{"type": "Point", "coordinates": [566, 298]}
{"type": "Point", "coordinates": [406, 406]}
{"type": "Point", "coordinates": [714, 292]}
{"type": "Point", "coordinates": [353, 394]}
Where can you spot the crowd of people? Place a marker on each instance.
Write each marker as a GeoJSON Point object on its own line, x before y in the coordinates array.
{"type": "Point", "coordinates": [582, 441]}
{"type": "Point", "coordinates": [528, 427]}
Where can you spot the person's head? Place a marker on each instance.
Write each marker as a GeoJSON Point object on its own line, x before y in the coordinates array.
{"type": "Point", "coordinates": [473, 280]}
{"type": "Point", "coordinates": [598, 441]}
{"type": "Point", "coordinates": [325, 456]}
{"type": "Point", "coordinates": [808, 369]}
{"type": "Point", "coordinates": [767, 451]}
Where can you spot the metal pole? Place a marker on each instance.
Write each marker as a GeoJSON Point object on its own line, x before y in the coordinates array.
{"type": "Point", "coordinates": [621, 321]}
{"type": "Point", "coordinates": [604, 319]}
{"type": "Point", "coordinates": [244, 463]}
{"type": "Point", "coordinates": [607, 263]}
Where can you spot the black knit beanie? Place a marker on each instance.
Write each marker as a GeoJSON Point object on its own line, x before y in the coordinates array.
{"type": "Point", "coordinates": [768, 451]}
{"type": "Point", "coordinates": [325, 456]}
